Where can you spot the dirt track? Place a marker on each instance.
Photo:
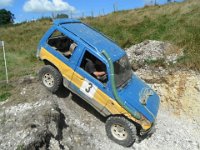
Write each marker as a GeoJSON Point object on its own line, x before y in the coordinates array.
{"type": "Point", "coordinates": [172, 132]}
{"type": "Point", "coordinates": [84, 127]}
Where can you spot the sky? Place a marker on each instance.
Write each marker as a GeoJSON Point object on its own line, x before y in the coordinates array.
{"type": "Point", "coordinates": [26, 10]}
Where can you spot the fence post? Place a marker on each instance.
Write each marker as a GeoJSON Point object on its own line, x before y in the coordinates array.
{"type": "Point", "coordinates": [4, 56]}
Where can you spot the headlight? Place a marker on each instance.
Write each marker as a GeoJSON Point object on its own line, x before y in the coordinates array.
{"type": "Point", "coordinates": [146, 124]}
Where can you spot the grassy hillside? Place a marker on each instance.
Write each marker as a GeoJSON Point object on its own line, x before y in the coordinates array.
{"type": "Point", "coordinates": [20, 44]}
{"type": "Point", "coordinates": [178, 23]}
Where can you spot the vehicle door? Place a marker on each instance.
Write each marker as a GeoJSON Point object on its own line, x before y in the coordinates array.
{"type": "Point", "coordinates": [87, 86]}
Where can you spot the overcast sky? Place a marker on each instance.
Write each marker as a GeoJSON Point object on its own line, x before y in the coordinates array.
{"type": "Point", "coordinates": [33, 9]}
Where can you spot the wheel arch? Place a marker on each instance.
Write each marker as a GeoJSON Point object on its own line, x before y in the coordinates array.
{"type": "Point", "coordinates": [47, 62]}
{"type": "Point", "coordinates": [137, 125]}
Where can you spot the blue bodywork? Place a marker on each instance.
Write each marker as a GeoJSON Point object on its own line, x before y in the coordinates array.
{"type": "Point", "coordinates": [95, 42]}
{"type": "Point", "coordinates": [95, 39]}
{"type": "Point", "coordinates": [132, 94]}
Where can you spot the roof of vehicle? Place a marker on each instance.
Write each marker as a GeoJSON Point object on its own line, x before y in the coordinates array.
{"type": "Point", "coordinates": [92, 37]}
{"type": "Point", "coordinates": [64, 21]}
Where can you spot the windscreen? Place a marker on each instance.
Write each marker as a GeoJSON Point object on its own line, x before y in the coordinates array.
{"type": "Point", "coordinates": [122, 71]}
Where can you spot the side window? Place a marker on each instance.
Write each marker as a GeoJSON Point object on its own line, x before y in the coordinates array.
{"type": "Point", "coordinates": [62, 43]}
{"type": "Point", "coordinates": [94, 67]}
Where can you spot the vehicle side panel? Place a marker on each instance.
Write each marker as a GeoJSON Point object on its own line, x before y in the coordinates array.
{"type": "Point", "coordinates": [102, 98]}
{"type": "Point", "coordinates": [65, 70]}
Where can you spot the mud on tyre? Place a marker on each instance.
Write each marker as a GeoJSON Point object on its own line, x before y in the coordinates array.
{"type": "Point", "coordinates": [50, 78]}
{"type": "Point", "coordinates": [121, 130]}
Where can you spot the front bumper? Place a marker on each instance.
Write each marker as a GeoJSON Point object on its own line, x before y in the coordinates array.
{"type": "Point", "coordinates": [148, 132]}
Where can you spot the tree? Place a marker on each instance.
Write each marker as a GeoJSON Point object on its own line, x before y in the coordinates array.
{"type": "Point", "coordinates": [6, 17]}
{"type": "Point", "coordinates": [62, 16]}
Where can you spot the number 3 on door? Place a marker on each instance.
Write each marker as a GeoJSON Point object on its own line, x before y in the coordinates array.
{"type": "Point", "coordinates": [88, 88]}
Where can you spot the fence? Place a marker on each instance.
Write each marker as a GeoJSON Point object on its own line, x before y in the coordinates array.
{"type": "Point", "coordinates": [4, 58]}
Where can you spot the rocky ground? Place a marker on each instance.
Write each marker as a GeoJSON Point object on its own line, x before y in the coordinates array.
{"type": "Point", "coordinates": [33, 118]}
{"type": "Point", "coordinates": [179, 89]}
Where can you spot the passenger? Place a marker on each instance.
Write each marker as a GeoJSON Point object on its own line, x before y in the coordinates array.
{"type": "Point", "coordinates": [68, 50]}
{"type": "Point", "coordinates": [62, 46]}
{"type": "Point", "coordinates": [71, 49]}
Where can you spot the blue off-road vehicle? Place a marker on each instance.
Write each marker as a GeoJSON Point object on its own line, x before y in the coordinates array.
{"type": "Point", "coordinates": [95, 68]}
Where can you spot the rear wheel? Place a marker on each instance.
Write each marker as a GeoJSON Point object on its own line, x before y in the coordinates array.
{"type": "Point", "coordinates": [50, 78]}
{"type": "Point", "coordinates": [121, 130]}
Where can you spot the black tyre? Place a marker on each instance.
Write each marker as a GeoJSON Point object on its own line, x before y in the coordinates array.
{"type": "Point", "coordinates": [50, 78]}
{"type": "Point", "coordinates": [121, 130]}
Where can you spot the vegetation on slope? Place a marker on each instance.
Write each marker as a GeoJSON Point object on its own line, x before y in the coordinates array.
{"type": "Point", "coordinates": [178, 23]}
{"type": "Point", "coordinates": [20, 44]}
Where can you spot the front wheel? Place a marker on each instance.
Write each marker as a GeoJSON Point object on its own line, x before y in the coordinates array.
{"type": "Point", "coordinates": [121, 130]}
{"type": "Point", "coordinates": [50, 78]}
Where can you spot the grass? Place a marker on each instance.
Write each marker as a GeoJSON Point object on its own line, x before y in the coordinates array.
{"type": "Point", "coordinates": [156, 63]}
{"type": "Point", "coordinates": [178, 23]}
{"type": "Point", "coordinates": [20, 147]}
{"type": "Point", "coordinates": [5, 92]}
{"type": "Point", "coordinates": [21, 44]}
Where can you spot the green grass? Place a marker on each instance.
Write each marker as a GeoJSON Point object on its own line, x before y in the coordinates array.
{"type": "Point", "coordinates": [5, 91]}
{"type": "Point", "coordinates": [21, 44]}
{"type": "Point", "coordinates": [178, 23]}
{"type": "Point", "coordinates": [20, 147]}
{"type": "Point", "coordinates": [156, 63]}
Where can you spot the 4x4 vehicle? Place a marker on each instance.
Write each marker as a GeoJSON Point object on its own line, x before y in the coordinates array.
{"type": "Point", "coordinates": [129, 105]}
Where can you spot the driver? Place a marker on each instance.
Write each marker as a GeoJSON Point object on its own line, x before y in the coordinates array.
{"type": "Point", "coordinates": [95, 69]}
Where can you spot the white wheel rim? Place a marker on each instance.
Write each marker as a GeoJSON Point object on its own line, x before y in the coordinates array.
{"type": "Point", "coordinates": [119, 132]}
{"type": "Point", "coordinates": [48, 80]}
